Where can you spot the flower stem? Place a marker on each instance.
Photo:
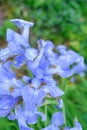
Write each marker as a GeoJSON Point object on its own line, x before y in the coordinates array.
{"type": "Point", "coordinates": [63, 108]}
{"type": "Point", "coordinates": [46, 114]}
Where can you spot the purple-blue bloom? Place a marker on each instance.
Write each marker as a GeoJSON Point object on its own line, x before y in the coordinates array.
{"type": "Point", "coordinates": [6, 71]}
{"type": "Point", "coordinates": [7, 104]}
{"type": "Point", "coordinates": [77, 126]}
{"type": "Point", "coordinates": [11, 87]}
{"type": "Point", "coordinates": [21, 99]}
{"type": "Point", "coordinates": [24, 27]}
{"type": "Point", "coordinates": [24, 116]}
{"type": "Point", "coordinates": [56, 122]}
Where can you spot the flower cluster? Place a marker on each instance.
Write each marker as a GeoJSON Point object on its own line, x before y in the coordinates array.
{"type": "Point", "coordinates": [21, 98]}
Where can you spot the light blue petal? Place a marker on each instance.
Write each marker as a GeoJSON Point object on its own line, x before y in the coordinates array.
{"type": "Point", "coordinates": [29, 98]}
{"type": "Point", "coordinates": [77, 126]}
{"type": "Point", "coordinates": [8, 102]}
{"type": "Point", "coordinates": [20, 116]}
{"type": "Point", "coordinates": [5, 54]}
{"type": "Point", "coordinates": [61, 49]}
{"type": "Point", "coordinates": [25, 128]}
{"type": "Point", "coordinates": [37, 60]}
{"type": "Point", "coordinates": [4, 112]}
{"type": "Point", "coordinates": [58, 119]}
{"type": "Point", "coordinates": [60, 71]}
{"type": "Point", "coordinates": [26, 79]}
{"type": "Point", "coordinates": [60, 103]}
{"type": "Point", "coordinates": [32, 119]}
{"type": "Point", "coordinates": [36, 83]}
{"type": "Point", "coordinates": [23, 26]}
{"type": "Point", "coordinates": [13, 37]}
{"type": "Point", "coordinates": [30, 54]}
{"type": "Point", "coordinates": [66, 128]}
{"type": "Point", "coordinates": [16, 93]}
{"type": "Point", "coordinates": [44, 63]}
{"type": "Point", "coordinates": [11, 116]}
{"type": "Point", "coordinates": [6, 70]}
{"type": "Point", "coordinates": [51, 127]}
{"type": "Point", "coordinates": [19, 61]}
{"type": "Point", "coordinates": [40, 97]}
{"type": "Point", "coordinates": [43, 116]}
{"type": "Point", "coordinates": [2, 91]}
{"type": "Point", "coordinates": [54, 91]}
{"type": "Point", "coordinates": [15, 49]}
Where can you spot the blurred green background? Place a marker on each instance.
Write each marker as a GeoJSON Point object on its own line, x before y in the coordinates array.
{"type": "Point", "coordinates": [63, 22]}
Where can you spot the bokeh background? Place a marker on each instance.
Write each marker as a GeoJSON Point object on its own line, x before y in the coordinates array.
{"type": "Point", "coordinates": [62, 22]}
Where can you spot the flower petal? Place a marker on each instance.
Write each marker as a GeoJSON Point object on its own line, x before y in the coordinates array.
{"type": "Point", "coordinates": [23, 26]}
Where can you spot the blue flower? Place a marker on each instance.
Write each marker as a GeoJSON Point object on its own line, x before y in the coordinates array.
{"type": "Point", "coordinates": [6, 71]}
{"type": "Point", "coordinates": [7, 104]}
{"type": "Point", "coordinates": [5, 54]}
{"type": "Point", "coordinates": [47, 62]}
{"type": "Point", "coordinates": [66, 64]}
{"type": "Point", "coordinates": [33, 95]}
{"type": "Point", "coordinates": [18, 45]}
{"type": "Point", "coordinates": [19, 48]}
{"type": "Point", "coordinates": [51, 87]}
{"type": "Point", "coordinates": [11, 87]}
{"type": "Point", "coordinates": [60, 103]}
{"type": "Point", "coordinates": [61, 49]}
{"type": "Point", "coordinates": [24, 27]}
{"type": "Point", "coordinates": [56, 122]}
{"type": "Point", "coordinates": [20, 99]}
{"type": "Point", "coordinates": [21, 118]}
{"type": "Point", "coordinates": [25, 117]}
{"type": "Point", "coordinates": [77, 126]}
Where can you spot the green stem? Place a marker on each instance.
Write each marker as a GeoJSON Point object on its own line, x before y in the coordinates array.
{"type": "Point", "coordinates": [63, 108]}
{"type": "Point", "coordinates": [46, 114]}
